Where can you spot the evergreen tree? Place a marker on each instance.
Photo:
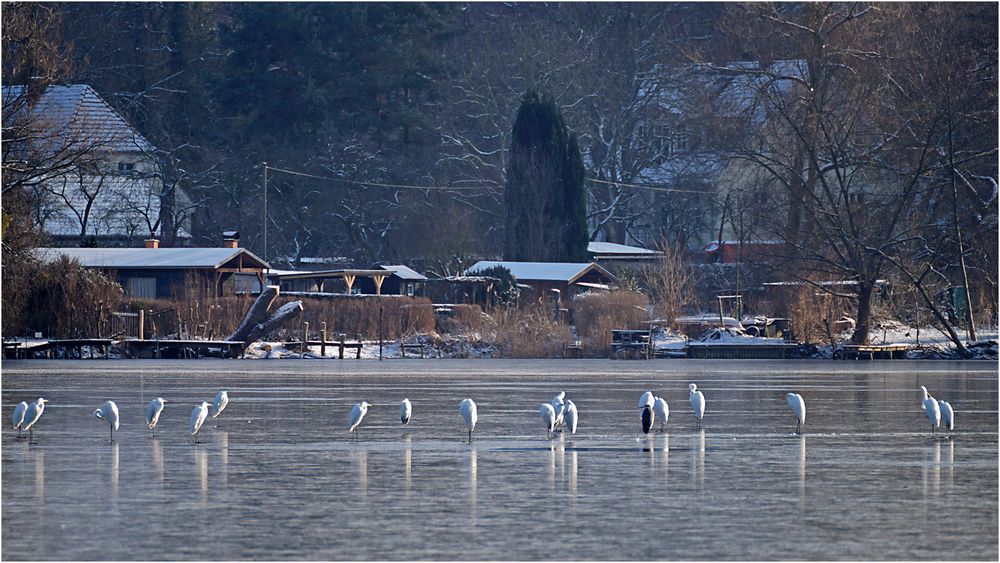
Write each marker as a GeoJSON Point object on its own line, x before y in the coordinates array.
{"type": "Point", "coordinates": [545, 198]}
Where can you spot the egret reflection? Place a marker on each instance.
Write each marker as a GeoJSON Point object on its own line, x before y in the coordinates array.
{"type": "Point", "coordinates": [114, 474]}
{"type": "Point", "coordinates": [222, 439]}
{"type": "Point", "coordinates": [698, 459]}
{"type": "Point", "coordinates": [802, 466]}
{"type": "Point", "coordinates": [473, 480]}
{"type": "Point", "coordinates": [361, 465]}
{"type": "Point", "coordinates": [40, 476]}
{"type": "Point", "coordinates": [407, 465]}
{"type": "Point", "coordinates": [665, 455]}
{"type": "Point", "coordinates": [158, 459]}
{"type": "Point", "coordinates": [201, 467]}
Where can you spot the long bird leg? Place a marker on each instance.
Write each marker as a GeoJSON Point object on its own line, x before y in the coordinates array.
{"type": "Point", "coordinates": [470, 436]}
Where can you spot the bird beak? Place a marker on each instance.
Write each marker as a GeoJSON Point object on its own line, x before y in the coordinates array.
{"type": "Point", "coordinates": [45, 400]}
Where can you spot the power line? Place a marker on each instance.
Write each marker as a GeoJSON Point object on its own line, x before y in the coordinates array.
{"type": "Point", "coordinates": [474, 188]}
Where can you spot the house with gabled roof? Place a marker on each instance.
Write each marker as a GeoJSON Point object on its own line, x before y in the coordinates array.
{"type": "Point", "coordinates": [109, 192]}
{"type": "Point", "coordinates": [544, 281]}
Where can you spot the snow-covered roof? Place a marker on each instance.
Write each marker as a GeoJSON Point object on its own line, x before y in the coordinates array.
{"type": "Point", "coordinates": [603, 248]}
{"type": "Point", "coordinates": [150, 258]}
{"type": "Point", "coordinates": [77, 115]}
{"type": "Point", "coordinates": [404, 272]}
{"type": "Point", "coordinates": [541, 271]}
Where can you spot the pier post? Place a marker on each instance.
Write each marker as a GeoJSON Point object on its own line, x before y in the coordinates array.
{"type": "Point", "coordinates": [358, 357]}
{"type": "Point", "coordinates": [142, 324]}
{"type": "Point", "coordinates": [305, 337]}
{"type": "Point", "coordinates": [341, 346]}
{"type": "Point", "coordinates": [322, 335]}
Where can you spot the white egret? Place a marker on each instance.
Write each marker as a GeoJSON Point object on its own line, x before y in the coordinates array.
{"type": "Point", "coordinates": [31, 416]}
{"type": "Point", "coordinates": [153, 411]}
{"type": "Point", "coordinates": [108, 412]}
{"type": "Point", "coordinates": [571, 416]}
{"type": "Point", "coordinates": [560, 407]}
{"type": "Point", "coordinates": [358, 413]}
{"type": "Point", "coordinates": [405, 410]}
{"type": "Point", "coordinates": [18, 417]}
{"type": "Point", "coordinates": [198, 416]}
{"type": "Point", "coordinates": [662, 410]}
{"type": "Point", "coordinates": [647, 398]}
{"type": "Point", "coordinates": [549, 418]}
{"type": "Point", "coordinates": [469, 414]}
{"type": "Point", "coordinates": [648, 417]}
{"type": "Point", "coordinates": [697, 402]}
{"type": "Point", "coordinates": [947, 415]}
{"type": "Point", "coordinates": [799, 408]}
{"type": "Point", "coordinates": [219, 403]}
{"type": "Point", "coordinates": [931, 409]}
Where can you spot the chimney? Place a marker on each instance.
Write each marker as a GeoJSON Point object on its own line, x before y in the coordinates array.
{"type": "Point", "coordinates": [152, 241]}
{"type": "Point", "coordinates": [231, 239]}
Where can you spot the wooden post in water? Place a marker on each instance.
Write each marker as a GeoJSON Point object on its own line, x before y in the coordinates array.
{"type": "Point", "coordinates": [341, 337]}
{"type": "Point", "coordinates": [358, 357]}
{"type": "Point", "coordinates": [142, 323]}
{"type": "Point", "coordinates": [380, 327]}
{"type": "Point", "coordinates": [322, 335]}
{"type": "Point", "coordinates": [305, 337]}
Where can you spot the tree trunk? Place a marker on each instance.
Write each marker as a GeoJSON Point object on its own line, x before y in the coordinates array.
{"type": "Point", "coordinates": [285, 313]}
{"type": "Point", "coordinates": [862, 328]}
{"type": "Point", "coordinates": [256, 315]}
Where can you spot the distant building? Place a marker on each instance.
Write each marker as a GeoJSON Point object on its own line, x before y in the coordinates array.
{"type": "Point", "coordinates": [163, 273]}
{"type": "Point", "coordinates": [106, 186]}
{"type": "Point", "coordinates": [543, 279]}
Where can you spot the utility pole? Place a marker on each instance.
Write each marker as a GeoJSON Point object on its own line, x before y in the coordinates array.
{"type": "Point", "coordinates": [264, 166]}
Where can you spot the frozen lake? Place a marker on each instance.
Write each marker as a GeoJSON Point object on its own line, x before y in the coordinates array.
{"type": "Point", "coordinates": [282, 480]}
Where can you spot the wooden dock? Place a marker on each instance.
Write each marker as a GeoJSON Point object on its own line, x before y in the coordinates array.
{"type": "Point", "coordinates": [871, 352]}
{"type": "Point", "coordinates": [703, 350]}
{"type": "Point", "coordinates": [340, 345]}
{"type": "Point", "coordinates": [181, 349]}
{"type": "Point", "coordinates": [64, 348]}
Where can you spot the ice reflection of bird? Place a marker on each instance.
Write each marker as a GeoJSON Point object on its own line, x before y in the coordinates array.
{"type": "Point", "coordinates": [469, 414]}
{"type": "Point", "coordinates": [647, 416]}
{"type": "Point", "coordinates": [549, 418]}
{"type": "Point", "coordinates": [931, 409]}
{"type": "Point", "coordinates": [405, 410]}
{"type": "Point", "coordinates": [198, 416]}
{"type": "Point", "coordinates": [571, 417]}
{"type": "Point", "coordinates": [358, 413]}
{"type": "Point", "coordinates": [31, 416]}
{"type": "Point", "coordinates": [153, 410]}
{"type": "Point", "coordinates": [219, 403]}
{"type": "Point", "coordinates": [662, 410]}
{"type": "Point", "coordinates": [697, 402]}
{"type": "Point", "coordinates": [799, 408]}
{"type": "Point", "coordinates": [18, 417]}
{"type": "Point", "coordinates": [947, 415]}
{"type": "Point", "coordinates": [108, 412]}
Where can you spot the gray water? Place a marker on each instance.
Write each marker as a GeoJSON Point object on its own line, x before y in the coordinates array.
{"type": "Point", "coordinates": [281, 478]}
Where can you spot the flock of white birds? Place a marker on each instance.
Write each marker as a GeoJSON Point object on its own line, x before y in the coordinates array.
{"type": "Point", "coordinates": [560, 413]}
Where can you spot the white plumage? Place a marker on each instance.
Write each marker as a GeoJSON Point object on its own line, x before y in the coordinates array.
{"type": "Point", "coordinates": [799, 408]}
{"type": "Point", "coordinates": [358, 412]}
{"type": "Point", "coordinates": [662, 410]}
{"type": "Point", "coordinates": [469, 414]}
{"type": "Point", "coordinates": [220, 402]}
{"type": "Point", "coordinates": [559, 406]}
{"type": "Point", "coordinates": [108, 412]}
{"type": "Point", "coordinates": [32, 414]}
{"type": "Point", "coordinates": [571, 417]}
{"type": "Point", "coordinates": [697, 402]}
{"type": "Point", "coordinates": [405, 410]}
{"type": "Point", "coordinates": [198, 416]}
{"type": "Point", "coordinates": [153, 410]}
{"type": "Point", "coordinates": [947, 415]}
{"type": "Point", "coordinates": [549, 418]}
{"type": "Point", "coordinates": [646, 400]}
{"type": "Point", "coordinates": [17, 418]}
{"type": "Point", "coordinates": [931, 409]}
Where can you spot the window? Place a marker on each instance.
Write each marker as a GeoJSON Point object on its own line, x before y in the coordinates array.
{"type": "Point", "coordinates": [141, 287]}
{"type": "Point", "coordinates": [126, 166]}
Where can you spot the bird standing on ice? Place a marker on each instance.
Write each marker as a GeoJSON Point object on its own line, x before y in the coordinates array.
{"type": "Point", "coordinates": [358, 413]}
{"type": "Point", "coordinates": [697, 402]}
{"type": "Point", "coordinates": [799, 408]}
{"type": "Point", "coordinates": [31, 416]}
{"type": "Point", "coordinates": [931, 409]}
{"type": "Point", "coordinates": [559, 407]}
{"type": "Point", "coordinates": [18, 417]}
{"type": "Point", "coordinates": [219, 403]}
{"type": "Point", "coordinates": [646, 399]}
{"type": "Point", "coordinates": [947, 415]}
{"type": "Point", "coordinates": [662, 410]}
{"type": "Point", "coordinates": [469, 414]}
{"type": "Point", "coordinates": [153, 410]}
{"type": "Point", "coordinates": [571, 417]}
{"type": "Point", "coordinates": [405, 410]}
{"type": "Point", "coordinates": [109, 413]}
{"type": "Point", "coordinates": [549, 418]}
{"type": "Point", "coordinates": [198, 416]}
